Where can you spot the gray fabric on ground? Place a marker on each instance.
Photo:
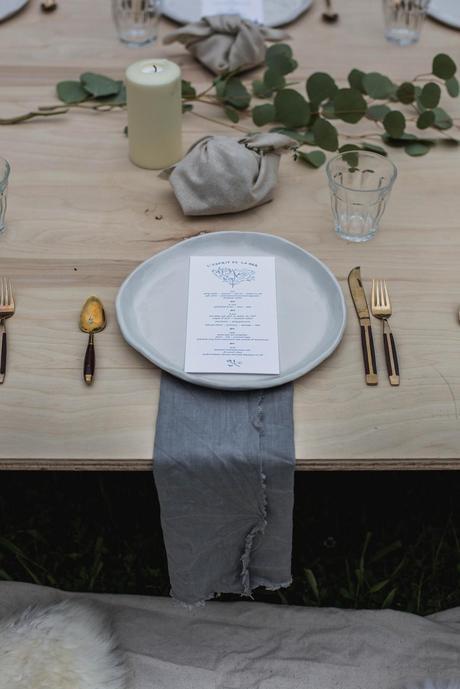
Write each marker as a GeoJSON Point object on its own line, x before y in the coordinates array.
{"type": "Point", "coordinates": [224, 466]}
{"type": "Point", "coordinates": [249, 645]}
{"type": "Point", "coordinates": [226, 42]}
{"type": "Point", "coordinates": [224, 175]}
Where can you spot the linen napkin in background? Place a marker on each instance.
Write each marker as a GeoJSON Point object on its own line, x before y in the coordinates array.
{"type": "Point", "coordinates": [224, 469]}
{"type": "Point", "coordinates": [224, 175]}
{"type": "Point", "coordinates": [226, 42]}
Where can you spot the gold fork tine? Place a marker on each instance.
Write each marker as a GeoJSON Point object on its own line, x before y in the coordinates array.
{"type": "Point", "coordinates": [1, 293]}
{"type": "Point", "coordinates": [387, 297]}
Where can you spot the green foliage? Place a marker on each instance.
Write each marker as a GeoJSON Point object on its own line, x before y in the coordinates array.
{"type": "Point", "coordinates": [349, 105]}
{"type": "Point", "coordinates": [417, 148]}
{"type": "Point", "coordinates": [355, 79]}
{"type": "Point", "coordinates": [442, 119]}
{"type": "Point", "coordinates": [378, 86]}
{"type": "Point", "coordinates": [263, 114]}
{"type": "Point", "coordinates": [71, 92]}
{"type": "Point", "coordinates": [394, 123]}
{"type": "Point", "coordinates": [231, 113]}
{"type": "Point", "coordinates": [99, 86]}
{"type": "Point", "coordinates": [320, 86]}
{"type": "Point", "coordinates": [291, 108]}
{"type": "Point", "coordinates": [443, 66]}
{"type": "Point", "coordinates": [312, 158]}
{"type": "Point", "coordinates": [377, 112]}
{"type": "Point", "coordinates": [236, 94]}
{"type": "Point", "coordinates": [453, 87]}
{"type": "Point", "coordinates": [405, 93]}
{"type": "Point", "coordinates": [325, 135]}
{"type": "Point", "coordinates": [188, 91]}
{"type": "Point", "coordinates": [426, 119]}
{"type": "Point", "coordinates": [279, 58]}
{"type": "Point", "coordinates": [430, 95]}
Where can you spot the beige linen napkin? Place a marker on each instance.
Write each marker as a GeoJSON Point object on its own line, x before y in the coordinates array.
{"type": "Point", "coordinates": [226, 42]}
{"type": "Point", "coordinates": [224, 175]}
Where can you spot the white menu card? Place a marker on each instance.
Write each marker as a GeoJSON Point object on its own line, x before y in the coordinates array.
{"type": "Point", "coordinates": [231, 322]}
{"type": "Point", "coordinates": [250, 9]}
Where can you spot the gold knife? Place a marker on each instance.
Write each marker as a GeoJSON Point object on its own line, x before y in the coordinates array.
{"type": "Point", "coordinates": [362, 310]}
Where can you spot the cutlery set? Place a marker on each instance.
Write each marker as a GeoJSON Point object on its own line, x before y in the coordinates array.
{"type": "Point", "coordinates": [381, 309]}
{"type": "Point", "coordinates": [92, 321]}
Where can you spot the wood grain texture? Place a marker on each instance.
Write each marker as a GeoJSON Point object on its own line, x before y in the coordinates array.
{"type": "Point", "coordinates": [81, 217]}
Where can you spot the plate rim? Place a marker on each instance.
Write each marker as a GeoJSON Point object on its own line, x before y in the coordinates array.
{"type": "Point", "coordinates": [203, 380]}
{"type": "Point", "coordinates": [446, 19]}
{"type": "Point", "coordinates": [304, 5]}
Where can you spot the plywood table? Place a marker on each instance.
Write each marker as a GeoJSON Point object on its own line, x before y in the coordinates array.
{"type": "Point", "coordinates": [81, 217]}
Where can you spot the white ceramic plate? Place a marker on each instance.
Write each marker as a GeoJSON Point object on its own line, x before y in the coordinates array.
{"type": "Point", "coordinates": [445, 11]}
{"type": "Point", "coordinates": [151, 307]}
{"type": "Point", "coordinates": [10, 7]}
{"type": "Point", "coordinates": [277, 12]}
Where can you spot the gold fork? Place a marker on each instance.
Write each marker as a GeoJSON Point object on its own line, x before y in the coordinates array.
{"type": "Point", "coordinates": [6, 311]}
{"type": "Point", "coordinates": [381, 308]}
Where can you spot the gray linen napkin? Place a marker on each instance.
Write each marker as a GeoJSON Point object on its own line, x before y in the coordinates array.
{"type": "Point", "coordinates": [226, 42]}
{"type": "Point", "coordinates": [224, 175]}
{"type": "Point", "coordinates": [224, 469]}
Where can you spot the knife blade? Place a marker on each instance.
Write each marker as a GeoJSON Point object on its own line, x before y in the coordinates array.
{"type": "Point", "coordinates": [362, 311]}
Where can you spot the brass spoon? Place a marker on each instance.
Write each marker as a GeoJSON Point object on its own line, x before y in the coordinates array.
{"type": "Point", "coordinates": [92, 320]}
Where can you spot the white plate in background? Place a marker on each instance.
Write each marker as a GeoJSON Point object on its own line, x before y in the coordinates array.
{"type": "Point", "coordinates": [277, 12]}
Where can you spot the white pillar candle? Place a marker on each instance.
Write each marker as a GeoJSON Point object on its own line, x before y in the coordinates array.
{"type": "Point", "coordinates": [154, 113]}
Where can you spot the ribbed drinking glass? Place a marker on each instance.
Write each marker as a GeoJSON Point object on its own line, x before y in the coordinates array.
{"type": "Point", "coordinates": [360, 184]}
{"type": "Point", "coordinates": [136, 20]}
{"type": "Point", "coordinates": [4, 174]}
{"type": "Point", "coordinates": [403, 20]}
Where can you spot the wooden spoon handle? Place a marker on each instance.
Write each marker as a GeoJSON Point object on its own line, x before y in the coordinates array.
{"type": "Point", "coordinates": [90, 361]}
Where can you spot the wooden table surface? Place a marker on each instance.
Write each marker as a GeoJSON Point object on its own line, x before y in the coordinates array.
{"type": "Point", "coordinates": [81, 217]}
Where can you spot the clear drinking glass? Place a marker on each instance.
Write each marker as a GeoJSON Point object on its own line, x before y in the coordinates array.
{"type": "Point", "coordinates": [360, 184]}
{"type": "Point", "coordinates": [136, 20]}
{"type": "Point", "coordinates": [4, 174]}
{"type": "Point", "coordinates": [403, 20]}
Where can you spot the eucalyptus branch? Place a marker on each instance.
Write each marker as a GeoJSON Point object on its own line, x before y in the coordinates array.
{"type": "Point", "coordinates": [30, 115]}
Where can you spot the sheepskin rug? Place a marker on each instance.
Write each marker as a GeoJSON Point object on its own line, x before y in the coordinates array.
{"type": "Point", "coordinates": [69, 645]}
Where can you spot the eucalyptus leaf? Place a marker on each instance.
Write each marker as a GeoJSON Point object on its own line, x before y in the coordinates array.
{"type": "Point", "coordinates": [303, 137]}
{"type": "Point", "coordinates": [417, 148]}
{"type": "Point", "coordinates": [426, 119]}
{"type": "Point", "coordinates": [443, 66]}
{"type": "Point", "coordinates": [430, 95]}
{"type": "Point", "coordinates": [378, 86]}
{"type": "Point", "coordinates": [236, 94]}
{"type": "Point", "coordinates": [274, 80]}
{"type": "Point", "coordinates": [188, 91]}
{"type": "Point", "coordinates": [263, 114]}
{"type": "Point", "coordinates": [442, 119]}
{"type": "Point", "coordinates": [260, 90]}
{"type": "Point", "coordinates": [349, 105]}
{"type": "Point", "coordinates": [452, 87]}
{"type": "Point", "coordinates": [118, 99]}
{"type": "Point", "coordinates": [71, 92]}
{"type": "Point", "coordinates": [231, 113]}
{"type": "Point", "coordinates": [406, 92]}
{"type": "Point", "coordinates": [373, 148]}
{"type": "Point", "coordinates": [377, 112]}
{"type": "Point", "coordinates": [320, 86]}
{"type": "Point", "coordinates": [275, 50]}
{"type": "Point", "coordinates": [312, 158]}
{"type": "Point", "coordinates": [328, 110]}
{"type": "Point", "coordinates": [98, 85]}
{"type": "Point", "coordinates": [187, 107]}
{"type": "Point", "coordinates": [355, 79]}
{"type": "Point", "coordinates": [325, 135]}
{"type": "Point", "coordinates": [291, 108]}
{"type": "Point", "coordinates": [349, 147]}
{"type": "Point", "coordinates": [400, 141]}
{"type": "Point", "coordinates": [394, 123]}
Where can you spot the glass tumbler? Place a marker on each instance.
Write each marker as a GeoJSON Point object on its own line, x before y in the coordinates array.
{"type": "Point", "coordinates": [360, 184]}
{"type": "Point", "coordinates": [136, 20]}
{"type": "Point", "coordinates": [4, 174]}
{"type": "Point", "coordinates": [403, 20]}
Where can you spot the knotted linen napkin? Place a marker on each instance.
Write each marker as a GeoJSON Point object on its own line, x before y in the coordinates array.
{"type": "Point", "coordinates": [226, 42]}
{"type": "Point", "coordinates": [224, 175]}
{"type": "Point", "coordinates": [224, 465]}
